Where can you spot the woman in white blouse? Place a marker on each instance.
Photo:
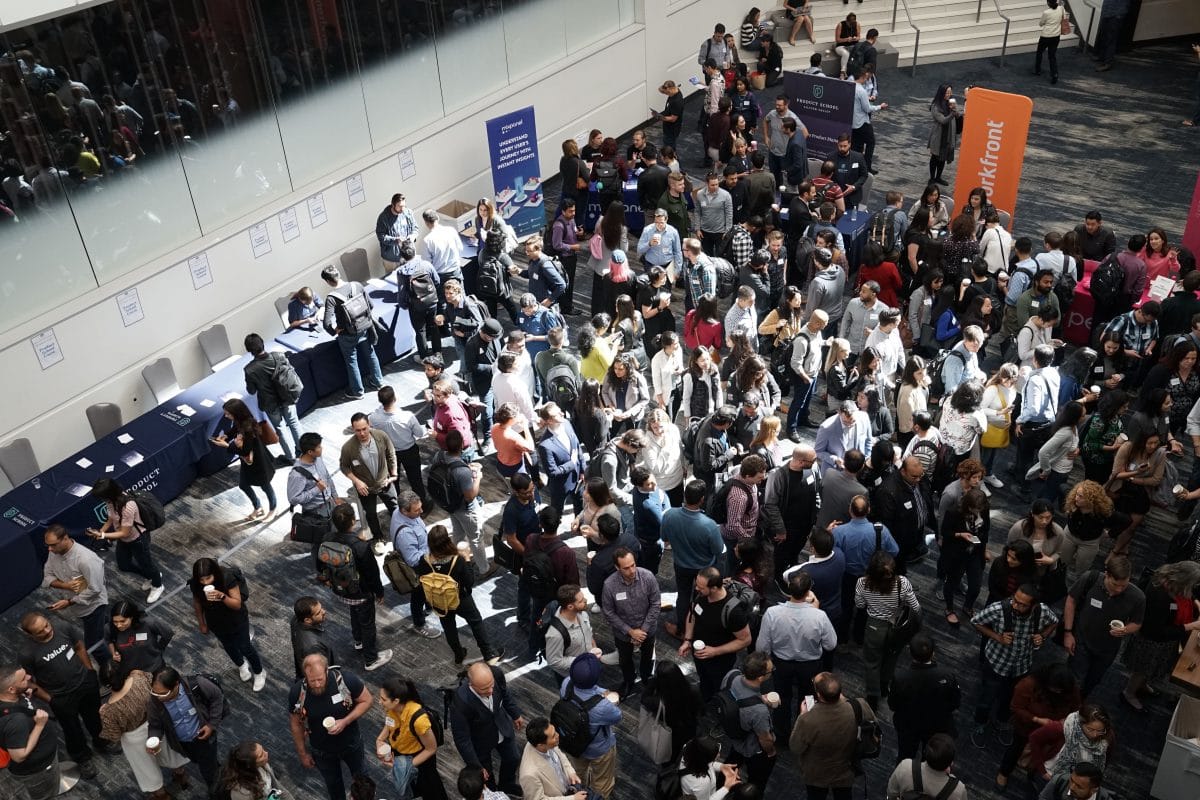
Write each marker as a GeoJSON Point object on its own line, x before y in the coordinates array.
{"type": "Point", "coordinates": [665, 368]}
{"type": "Point", "coordinates": [913, 396]}
{"type": "Point", "coordinates": [663, 455]}
{"type": "Point", "coordinates": [699, 769]}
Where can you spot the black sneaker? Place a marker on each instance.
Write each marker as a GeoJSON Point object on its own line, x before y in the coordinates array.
{"type": "Point", "coordinates": [284, 461]}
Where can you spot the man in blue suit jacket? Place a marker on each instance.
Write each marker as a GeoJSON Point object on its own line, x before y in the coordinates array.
{"type": "Point", "coordinates": [558, 450]}
{"type": "Point", "coordinates": [484, 717]}
{"type": "Point", "coordinates": [849, 429]}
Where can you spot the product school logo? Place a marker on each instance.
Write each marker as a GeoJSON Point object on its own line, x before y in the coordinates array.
{"type": "Point", "coordinates": [818, 91]}
{"type": "Point", "coordinates": [100, 512]}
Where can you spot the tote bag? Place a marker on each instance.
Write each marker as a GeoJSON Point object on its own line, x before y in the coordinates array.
{"type": "Point", "coordinates": [996, 436]}
{"type": "Point", "coordinates": [653, 735]}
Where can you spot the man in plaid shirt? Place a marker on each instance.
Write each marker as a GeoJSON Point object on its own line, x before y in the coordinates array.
{"type": "Point", "coordinates": [1012, 629]}
{"type": "Point", "coordinates": [741, 506]}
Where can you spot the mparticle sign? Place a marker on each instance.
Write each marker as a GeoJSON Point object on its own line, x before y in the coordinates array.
{"type": "Point", "coordinates": [991, 151]}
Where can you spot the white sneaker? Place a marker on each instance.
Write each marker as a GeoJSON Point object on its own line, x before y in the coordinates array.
{"type": "Point", "coordinates": [610, 658]}
{"type": "Point", "coordinates": [379, 548]}
{"type": "Point", "coordinates": [155, 593]}
{"type": "Point", "coordinates": [383, 657]}
{"type": "Point", "coordinates": [244, 671]}
{"type": "Point", "coordinates": [994, 482]}
{"type": "Point", "coordinates": [260, 680]}
{"type": "Point", "coordinates": [986, 491]}
{"type": "Point", "coordinates": [147, 585]}
{"type": "Point", "coordinates": [428, 631]}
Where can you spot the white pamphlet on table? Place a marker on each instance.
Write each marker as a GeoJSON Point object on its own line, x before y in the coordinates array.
{"type": "Point", "coordinates": [124, 438]}
{"type": "Point", "coordinates": [84, 463]}
{"type": "Point", "coordinates": [1160, 288]}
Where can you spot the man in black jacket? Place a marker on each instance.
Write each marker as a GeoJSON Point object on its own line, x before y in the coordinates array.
{"type": "Point", "coordinates": [308, 632]}
{"type": "Point", "coordinates": [358, 587]}
{"type": "Point", "coordinates": [790, 506]}
{"type": "Point", "coordinates": [924, 699]}
{"type": "Point", "coordinates": [652, 182]}
{"type": "Point", "coordinates": [200, 706]}
{"type": "Point", "coordinates": [479, 359]}
{"type": "Point", "coordinates": [849, 172]}
{"type": "Point", "coordinates": [904, 504]}
{"type": "Point", "coordinates": [714, 450]}
{"type": "Point", "coordinates": [484, 718]}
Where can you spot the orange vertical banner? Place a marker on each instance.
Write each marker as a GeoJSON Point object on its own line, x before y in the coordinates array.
{"type": "Point", "coordinates": [991, 151]}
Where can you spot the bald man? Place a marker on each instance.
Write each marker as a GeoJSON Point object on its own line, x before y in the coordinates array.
{"type": "Point", "coordinates": [904, 504]}
{"type": "Point", "coordinates": [484, 718]}
{"type": "Point", "coordinates": [793, 498]}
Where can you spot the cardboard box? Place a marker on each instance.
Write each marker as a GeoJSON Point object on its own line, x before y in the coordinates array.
{"type": "Point", "coordinates": [1178, 774]}
{"type": "Point", "coordinates": [458, 214]}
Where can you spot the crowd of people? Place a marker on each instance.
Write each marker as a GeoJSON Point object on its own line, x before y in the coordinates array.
{"type": "Point", "coordinates": [685, 442]}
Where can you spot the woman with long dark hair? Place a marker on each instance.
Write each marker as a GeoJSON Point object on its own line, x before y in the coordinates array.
{"type": "Point", "coordinates": [248, 775]}
{"type": "Point", "coordinates": [943, 137]}
{"type": "Point", "coordinates": [124, 526]}
{"type": "Point", "coordinates": [628, 323]}
{"type": "Point", "coordinates": [1010, 570]}
{"type": "Point", "coordinates": [880, 592]}
{"type": "Point", "coordinates": [753, 376]}
{"type": "Point", "coordinates": [703, 327]}
{"type": "Point", "coordinates": [574, 173]}
{"type": "Point", "coordinates": [406, 744]}
{"type": "Point", "coordinates": [1162, 260]}
{"type": "Point", "coordinates": [920, 311]}
{"type": "Point", "coordinates": [591, 423]}
{"type": "Point", "coordinates": [1177, 374]}
{"type": "Point", "coordinates": [960, 250]}
{"type": "Point", "coordinates": [679, 698]}
{"type": "Point", "coordinates": [135, 641]}
{"type": "Point", "coordinates": [625, 394]}
{"type": "Point", "coordinates": [1137, 472]}
{"type": "Point", "coordinates": [702, 390]}
{"type": "Point", "coordinates": [256, 465]}
{"type": "Point", "coordinates": [610, 235]}
{"type": "Point", "coordinates": [1044, 535]}
{"type": "Point", "coordinates": [220, 608]}
{"type": "Point", "coordinates": [741, 348]}
{"type": "Point", "coordinates": [913, 397]}
{"type": "Point", "coordinates": [1102, 435]}
{"type": "Point", "coordinates": [702, 776]}
{"type": "Point", "coordinates": [977, 208]}
{"type": "Point", "coordinates": [1151, 415]}
{"type": "Point", "coordinates": [931, 201]}
{"type": "Point", "coordinates": [964, 538]}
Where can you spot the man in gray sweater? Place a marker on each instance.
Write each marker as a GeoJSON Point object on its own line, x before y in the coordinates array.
{"type": "Point", "coordinates": [827, 286]}
{"type": "Point", "coordinates": [862, 315]}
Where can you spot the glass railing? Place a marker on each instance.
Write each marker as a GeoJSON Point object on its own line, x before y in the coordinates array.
{"type": "Point", "coordinates": [132, 128]}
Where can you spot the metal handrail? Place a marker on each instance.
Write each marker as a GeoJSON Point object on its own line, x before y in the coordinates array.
{"type": "Point", "coordinates": [1007, 24]}
{"type": "Point", "coordinates": [917, 41]}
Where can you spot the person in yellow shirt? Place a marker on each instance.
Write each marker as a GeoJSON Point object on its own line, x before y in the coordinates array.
{"type": "Point", "coordinates": [407, 744]}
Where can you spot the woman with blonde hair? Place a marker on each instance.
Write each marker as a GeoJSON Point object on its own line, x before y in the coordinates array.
{"type": "Point", "coordinates": [1090, 515]}
{"type": "Point", "coordinates": [998, 396]}
{"type": "Point", "coordinates": [837, 374]}
{"type": "Point", "coordinates": [663, 455]}
{"type": "Point", "coordinates": [1172, 613]}
{"type": "Point", "coordinates": [766, 443]}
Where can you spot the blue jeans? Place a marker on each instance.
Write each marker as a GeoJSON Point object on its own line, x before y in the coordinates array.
{"type": "Point", "coordinates": [404, 774]}
{"type": "Point", "coordinates": [245, 484]}
{"type": "Point", "coordinates": [355, 347]}
{"type": "Point", "coordinates": [277, 418]}
{"type": "Point", "coordinates": [802, 395]}
{"type": "Point", "coordinates": [135, 557]}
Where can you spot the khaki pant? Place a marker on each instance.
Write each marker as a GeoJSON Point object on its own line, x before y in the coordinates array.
{"type": "Point", "coordinates": [598, 773]}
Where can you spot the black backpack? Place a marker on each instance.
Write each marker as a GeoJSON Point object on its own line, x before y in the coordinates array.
{"type": "Point", "coordinates": [802, 263]}
{"type": "Point", "coordinates": [421, 291]}
{"type": "Point", "coordinates": [194, 685]}
{"type": "Point", "coordinates": [883, 230]}
{"type": "Point", "coordinates": [727, 711]}
{"type": "Point", "coordinates": [689, 439]}
{"type": "Point", "coordinates": [442, 486]}
{"type": "Point", "coordinates": [918, 791]}
{"type": "Point", "coordinates": [718, 507]}
{"type": "Point", "coordinates": [855, 63]}
{"type": "Point", "coordinates": [287, 383]}
{"type": "Point", "coordinates": [571, 718]}
{"type": "Point", "coordinates": [537, 570]}
{"type": "Point", "coordinates": [1064, 287]}
{"type": "Point", "coordinates": [937, 384]}
{"type": "Point", "coordinates": [726, 277]}
{"type": "Point", "coordinates": [562, 384]}
{"type": "Point", "coordinates": [1107, 282]}
{"type": "Point", "coordinates": [150, 510]}
{"type": "Point", "coordinates": [354, 312]}
{"type": "Point", "coordinates": [606, 175]}
{"type": "Point", "coordinates": [491, 281]}
{"type": "Point", "coordinates": [549, 619]}
{"type": "Point", "coordinates": [436, 725]}
{"type": "Point", "coordinates": [868, 742]}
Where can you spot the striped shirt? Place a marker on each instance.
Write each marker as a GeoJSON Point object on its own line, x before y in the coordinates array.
{"type": "Point", "coordinates": [883, 606]}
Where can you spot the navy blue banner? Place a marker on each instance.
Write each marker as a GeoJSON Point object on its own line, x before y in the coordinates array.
{"type": "Point", "coordinates": [825, 105]}
{"type": "Point", "coordinates": [516, 171]}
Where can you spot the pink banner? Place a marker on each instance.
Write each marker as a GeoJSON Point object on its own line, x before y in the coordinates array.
{"type": "Point", "coordinates": [1191, 228]}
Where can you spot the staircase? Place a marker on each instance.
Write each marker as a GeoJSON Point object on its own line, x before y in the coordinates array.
{"type": "Point", "coordinates": [949, 31]}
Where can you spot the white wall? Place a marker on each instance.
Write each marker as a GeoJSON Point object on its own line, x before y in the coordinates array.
{"type": "Point", "coordinates": [606, 87]}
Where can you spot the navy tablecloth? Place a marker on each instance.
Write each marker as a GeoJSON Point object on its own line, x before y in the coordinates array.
{"type": "Point", "coordinates": [853, 226]}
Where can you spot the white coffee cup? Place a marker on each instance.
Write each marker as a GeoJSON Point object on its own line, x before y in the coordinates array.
{"type": "Point", "coordinates": [209, 588]}
{"type": "Point", "coordinates": [328, 722]}
{"type": "Point", "coordinates": [1178, 489]}
{"type": "Point", "coordinates": [772, 699]}
{"type": "Point", "coordinates": [464, 549]}
{"type": "Point", "coordinates": [1116, 625]}
{"type": "Point", "coordinates": [613, 697]}
{"type": "Point", "coordinates": [698, 645]}
{"type": "Point", "coordinates": [383, 750]}
{"type": "Point", "coordinates": [153, 742]}
{"type": "Point", "coordinates": [1094, 389]}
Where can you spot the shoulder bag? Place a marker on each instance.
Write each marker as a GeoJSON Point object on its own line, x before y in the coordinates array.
{"type": "Point", "coordinates": [653, 735]}
{"type": "Point", "coordinates": [906, 623]}
{"type": "Point", "coordinates": [996, 436]}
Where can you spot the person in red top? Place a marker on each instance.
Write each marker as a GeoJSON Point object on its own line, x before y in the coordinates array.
{"type": "Point", "coordinates": [702, 325]}
{"type": "Point", "coordinates": [885, 273]}
{"type": "Point", "coordinates": [449, 414]}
